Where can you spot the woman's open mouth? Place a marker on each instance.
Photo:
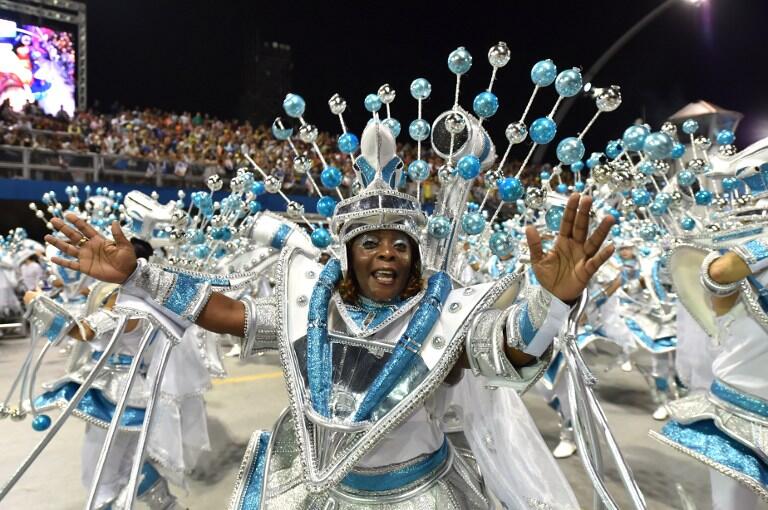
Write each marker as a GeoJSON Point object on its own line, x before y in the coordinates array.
{"type": "Point", "coordinates": [384, 276]}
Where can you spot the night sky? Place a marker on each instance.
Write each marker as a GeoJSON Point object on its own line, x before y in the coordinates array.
{"type": "Point", "coordinates": [187, 55]}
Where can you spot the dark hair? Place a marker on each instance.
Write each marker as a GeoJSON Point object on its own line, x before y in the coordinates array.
{"type": "Point", "coordinates": [141, 248]}
{"type": "Point", "coordinates": [349, 290]}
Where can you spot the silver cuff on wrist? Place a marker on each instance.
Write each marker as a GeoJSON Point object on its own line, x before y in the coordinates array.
{"type": "Point", "coordinates": [718, 289]}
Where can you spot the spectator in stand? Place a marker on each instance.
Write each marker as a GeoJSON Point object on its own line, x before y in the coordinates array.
{"type": "Point", "coordinates": [151, 141]}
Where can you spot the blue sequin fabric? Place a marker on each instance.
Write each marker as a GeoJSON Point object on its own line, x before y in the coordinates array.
{"type": "Point", "coordinates": [252, 494]}
{"type": "Point", "coordinates": [93, 404]}
{"type": "Point", "coordinates": [319, 360]}
{"type": "Point", "coordinates": [55, 328]}
{"type": "Point", "coordinates": [757, 248]}
{"type": "Point", "coordinates": [525, 326]}
{"type": "Point", "coordinates": [704, 438]}
{"type": "Point", "coordinates": [185, 289]}
{"type": "Point", "coordinates": [421, 323]}
{"type": "Point", "coordinates": [735, 397]}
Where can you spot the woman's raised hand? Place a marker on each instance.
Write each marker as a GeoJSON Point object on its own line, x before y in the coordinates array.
{"type": "Point", "coordinates": [108, 261]}
{"type": "Point", "coordinates": [565, 270]}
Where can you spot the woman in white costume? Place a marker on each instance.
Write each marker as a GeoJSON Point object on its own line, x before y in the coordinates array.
{"type": "Point", "coordinates": [365, 348]}
{"type": "Point", "coordinates": [179, 433]}
{"type": "Point", "coordinates": [725, 427]}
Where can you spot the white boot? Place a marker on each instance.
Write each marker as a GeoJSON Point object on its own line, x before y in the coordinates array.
{"type": "Point", "coordinates": [234, 352]}
{"type": "Point", "coordinates": [566, 447]}
{"type": "Point", "coordinates": [661, 413]}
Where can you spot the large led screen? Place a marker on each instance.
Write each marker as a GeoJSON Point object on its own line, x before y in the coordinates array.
{"type": "Point", "coordinates": [37, 64]}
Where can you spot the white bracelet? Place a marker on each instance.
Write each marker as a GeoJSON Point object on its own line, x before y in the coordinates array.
{"type": "Point", "coordinates": [718, 289]}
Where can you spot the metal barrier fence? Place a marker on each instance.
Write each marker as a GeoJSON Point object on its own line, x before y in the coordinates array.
{"type": "Point", "coordinates": [17, 162]}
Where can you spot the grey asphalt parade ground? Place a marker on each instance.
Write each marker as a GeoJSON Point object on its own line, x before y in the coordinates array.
{"type": "Point", "coordinates": [253, 395]}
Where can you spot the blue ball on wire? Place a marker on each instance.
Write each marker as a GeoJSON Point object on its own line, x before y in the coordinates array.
{"type": "Point", "coordinates": [420, 88]}
{"type": "Point", "coordinates": [321, 238]}
{"type": "Point", "coordinates": [553, 217]}
{"type": "Point", "coordinates": [634, 137]}
{"type": "Point", "coordinates": [678, 150]}
{"type": "Point", "coordinates": [687, 223]}
{"type": "Point", "coordinates": [473, 223]}
{"type": "Point", "coordinates": [348, 143]}
{"type": "Point", "coordinates": [459, 61]}
{"type": "Point", "coordinates": [372, 103]}
{"type": "Point", "coordinates": [331, 177]}
{"type": "Point", "coordinates": [326, 205]}
{"type": "Point", "coordinates": [703, 197]}
{"type": "Point", "coordinates": [690, 126]}
{"type": "Point", "coordinates": [686, 178]}
{"type": "Point", "coordinates": [501, 244]}
{"type": "Point", "coordinates": [419, 130]}
{"type": "Point", "coordinates": [543, 130]}
{"type": "Point", "coordinates": [439, 227]}
{"type": "Point", "coordinates": [393, 125]}
{"type": "Point", "coordinates": [486, 104]}
{"type": "Point", "coordinates": [510, 189]}
{"type": "Point", "coordinates": [725, 137]}
{"type": "Point", "coordinates": [294, 105]}
{"type": "Point", "coordinates": [658, 146]}
{"type": "Point", "coordinates": [418, 170]}
{"type": "Point", "coordinates": [568, 83]}
{"type": "Point", "coordinates": [41, 422]}
{"type": "Point", "coordinates": [543, 73]}
{"type": "Point", "coordinates": [468, 167]}
{"type": "Point", "coordinates": [570, 150]}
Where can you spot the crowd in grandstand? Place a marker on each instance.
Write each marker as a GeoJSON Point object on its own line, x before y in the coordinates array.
{"type": "Point", "coordinates": [153, 141]}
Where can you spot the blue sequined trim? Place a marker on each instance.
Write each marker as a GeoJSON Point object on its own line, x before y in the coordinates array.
{"type": "Point", "coordinates": [281, 236]}
{"type": "Point", "coordinates": [757, 249]}
{"type": "Point", "coordinates": [216, 281]}
{"type": "Point", "coordinates": [183, 293]}
{"type": "Point", "coordinates": [657, 285]}
{"type": "Point", "coordinates": [56, 327]}
{"type": "Point", "coordinates": [251, 499]}
{"type": "Point", "coordinates": [660, 343]}
{"type": "Point", "coordinates": [403, 357]}
{"type": "Point", "coordinates": [366, 170]}
{"type": "Point", "coordinates": [733, 396]}
{"type": "Point", "coordinates": [737, 235]}
{"type": "Point", "coordinates": [399, 477]}
{"type": "Point", "coordinates": [704, 438]}
{"type": "Point", "coordinates": [319, 362]}
{"type": "Point", "coordinates": [93, 403]}
{"type": "Point", "coordinates": [524, 325]}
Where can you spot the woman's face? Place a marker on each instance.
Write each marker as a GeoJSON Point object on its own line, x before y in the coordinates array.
{"type": "Point", "coordinates": [381, 261]}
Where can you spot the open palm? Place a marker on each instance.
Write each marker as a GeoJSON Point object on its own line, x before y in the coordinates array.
{"type": "Point", "coordinates": [565, 270]}
{"type": "Point", "coordinates": [94, 255]}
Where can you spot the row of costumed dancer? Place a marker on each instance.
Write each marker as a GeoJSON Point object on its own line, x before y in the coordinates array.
{"type": "Point", "coordinates": [405, 336]}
